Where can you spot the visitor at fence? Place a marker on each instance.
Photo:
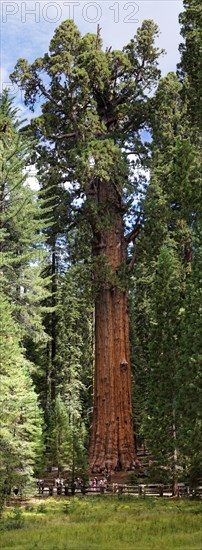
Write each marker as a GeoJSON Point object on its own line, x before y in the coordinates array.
{"type": "Point", "coordinates": [94, 484]}
{"type": "Point", "coordinates": [83, 487]}
{"type": "Point", "coordinates": [41, 486]}
{"type": "Point", "coordinates": [57, 481]}
{"type": "Point", "coordinates": [102, 486]}
{"type": "Point", "coordinates": [66, 486]}
{"type": "Point", "coordinates": [73, 487]}
{"type": "Point", "coordinates": [109, 477]}
{"type": "Point", "coordinates": [59, 487]}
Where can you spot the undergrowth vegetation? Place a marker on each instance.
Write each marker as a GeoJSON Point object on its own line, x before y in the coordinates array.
{"type": "Point", "coordinates": [121, 523]}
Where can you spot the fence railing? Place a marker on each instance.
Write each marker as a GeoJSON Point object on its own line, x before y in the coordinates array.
{"type": "Point", "coordinates": [141, 490]}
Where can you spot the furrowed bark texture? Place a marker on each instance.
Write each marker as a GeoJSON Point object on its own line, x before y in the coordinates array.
{"type": "Point", "coordinates": [112, 439]}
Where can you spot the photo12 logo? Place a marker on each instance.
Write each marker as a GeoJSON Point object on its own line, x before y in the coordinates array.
{"type": "Point", "coordinates": [53, 12]}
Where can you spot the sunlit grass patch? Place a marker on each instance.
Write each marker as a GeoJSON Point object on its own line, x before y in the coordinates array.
{"type": "Point", "coordinates": [110, 523]}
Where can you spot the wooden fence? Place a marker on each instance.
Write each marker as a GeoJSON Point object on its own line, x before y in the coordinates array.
{"type": "Point", "coordinates": [141, 490]}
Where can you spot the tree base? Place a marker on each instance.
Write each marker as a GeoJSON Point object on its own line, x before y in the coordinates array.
{"type": "Point", "coordinates": [106, 469]}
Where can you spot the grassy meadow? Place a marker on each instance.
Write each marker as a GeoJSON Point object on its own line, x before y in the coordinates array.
{"type": "Point", "coordinates": [104, 523]}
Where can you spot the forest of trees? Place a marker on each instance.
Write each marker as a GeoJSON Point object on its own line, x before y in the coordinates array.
{"type": "Point", "coordinates": [101, 270]}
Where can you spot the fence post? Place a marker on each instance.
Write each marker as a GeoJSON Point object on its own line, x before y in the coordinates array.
{"type": "Point", "coordinates": [161, 491]}
{"type": "Point", "coordinates": [140, 490]}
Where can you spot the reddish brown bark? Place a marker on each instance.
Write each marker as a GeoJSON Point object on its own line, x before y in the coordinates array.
{"type": "Point", "coordinates": [112, 439]}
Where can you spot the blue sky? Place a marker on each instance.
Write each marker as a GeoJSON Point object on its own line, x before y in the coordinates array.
{"type": "Point", "coordinates": [27, 27]}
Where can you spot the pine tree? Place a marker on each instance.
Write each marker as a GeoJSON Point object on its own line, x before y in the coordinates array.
{"type": "Point", "coordinates": [52, 182]}
{"type": "Point", "coordinates": [165, 253]}
{"type": "Point", "coordinates": [74, 330]}
{"type": "Point", "coordinates": [161, 418]}
{"type": "Point", "coordinates": [21, 419]}
{"type": "Point", "coordinates": [190, 71]}
{"type": "Point", "coordinates": [21, 239]}
{"type": "Point", "coordinates": [73, 333]}
{"type": "Point", "coordinates": [190, 370]}
{"type": "Point", "coordinates": [190, 66]}
{"type": "Point", "coordinates": [59, 437]}
{"type": "Point", "coordinates": [24, 279]}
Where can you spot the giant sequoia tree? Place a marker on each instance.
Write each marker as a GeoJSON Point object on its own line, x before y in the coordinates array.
{"type": "Point", "coordinates": [96, 105]}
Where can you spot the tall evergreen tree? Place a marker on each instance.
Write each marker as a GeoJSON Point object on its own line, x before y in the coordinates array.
{"type": "Point", "coordinates": [191, 363]}
{"type": "Point", "coordinates": [74, 333]}
{"type": "Point", "coordinates": [166, 253]}
{"type": "Point", "coordinates": [52, 185]}
{"type": "Point", "coordinates": [161, 420]}
{"type": "Point", "coordinates": [190, 66]}
{"type": "Point", "coordinates": [23, 251]}
{"type": "Point", "coordinates": [96, 104]}
{"type": "Point", "coordinates": [20, 420]}
{"type": "Point", "coordinates": [20, 237]}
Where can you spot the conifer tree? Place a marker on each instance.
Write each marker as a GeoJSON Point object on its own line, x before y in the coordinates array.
{"type": "Point", "coordinates": [20, 420]}
{"type": "Point", "coordinates": [21, 226]}
{"type": "Point", "coordinates": [190, 372]}
{"type": "Point", "coordinates": [59, 436]}
{"type": "Point", "coordinates": [190, 71]}
{"type": "Point", "coordinates": [166, 254]}
{"type": "Point", "coordinates": [23, 249]}
{"type": "Point", "coordinates": [95, 105]}
{"type": "Point", "coordinates": [190, 66]}
{"type": "Point", "coordinates": [161, 420]}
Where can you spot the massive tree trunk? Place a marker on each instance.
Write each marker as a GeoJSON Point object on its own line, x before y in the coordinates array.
{"type": "Point", "coordinates": [112, 440]}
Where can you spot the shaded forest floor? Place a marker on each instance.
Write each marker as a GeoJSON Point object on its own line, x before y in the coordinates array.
{"type": "Point", "coordinates": [116, 523]}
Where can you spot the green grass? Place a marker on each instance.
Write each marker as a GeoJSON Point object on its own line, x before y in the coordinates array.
{"type": "Point", "coordinates": [104, 523]}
